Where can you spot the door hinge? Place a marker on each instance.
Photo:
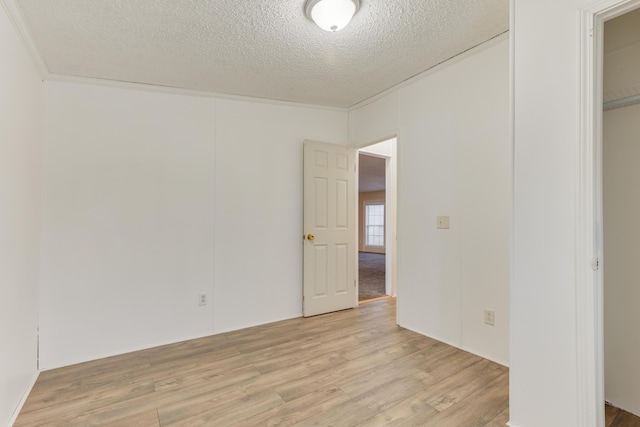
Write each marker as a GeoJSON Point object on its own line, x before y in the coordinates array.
{"type": "Point", "coordinates": [595, 264]}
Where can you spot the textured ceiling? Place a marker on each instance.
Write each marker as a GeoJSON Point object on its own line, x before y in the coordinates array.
{"type": "Point", "coordinates": [371, 172]}
{"type": "Point", "coordinates": [259, 48]}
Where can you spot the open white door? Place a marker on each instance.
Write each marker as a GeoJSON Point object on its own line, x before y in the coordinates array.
{"type": "Point", "coordinates": [329, 228]}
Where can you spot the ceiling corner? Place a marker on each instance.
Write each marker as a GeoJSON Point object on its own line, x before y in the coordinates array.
{"type": "Point", "coordinates": [17, 20]}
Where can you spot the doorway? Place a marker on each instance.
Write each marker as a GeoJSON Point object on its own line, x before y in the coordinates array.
{"type": "Point", "coordinates": [590, 265]}
{"type": "Point", "coordinates": [376, 220]}
{"type": "Point", "coordinates": [621, 208]}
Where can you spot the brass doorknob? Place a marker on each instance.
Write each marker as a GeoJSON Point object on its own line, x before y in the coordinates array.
{"type": "Point", "coordinates": [310, 237]}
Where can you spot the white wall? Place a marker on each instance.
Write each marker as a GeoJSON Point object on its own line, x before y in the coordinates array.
{"type": "Point", "coordinates": [453, 159]}
{"type": "Point", "coordinates": [151, 198]}
{"type": "Point", "coordinates": [258, 250]}
{"type": "Point", "coordinates": [20, 166]}
{"type": "Point", "coordinates": [127, 240]}
{"type": "Point", "coordinates": [543, 381]}
{"type": "Point", "coordinates": [374, 121]}
{"type": "Point", "coordinates": [621, 158]}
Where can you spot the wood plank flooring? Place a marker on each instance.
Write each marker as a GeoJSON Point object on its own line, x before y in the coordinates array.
{"type": "Point", "coordinates": [615, 417]}
{"type": "Point", "coordinates": [350, 368]}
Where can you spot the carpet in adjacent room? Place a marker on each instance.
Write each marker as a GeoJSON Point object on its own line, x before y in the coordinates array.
{"type": "Point", "coordinates": [371, 275]}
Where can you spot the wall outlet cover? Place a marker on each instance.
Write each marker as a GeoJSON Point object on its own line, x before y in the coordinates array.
{"type": "Point", "coordinates": [202, 298]}
{"type": "Point", "coordinates": [489, 317]}
{"type": "Point", "coordinates": [443, 222]}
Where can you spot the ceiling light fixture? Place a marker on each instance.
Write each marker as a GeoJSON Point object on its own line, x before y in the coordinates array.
{"type": "Point", "coordinates": [331, 15]}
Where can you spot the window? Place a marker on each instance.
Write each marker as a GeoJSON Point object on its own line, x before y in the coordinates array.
{"type": "Point", "coordinates": [374, 224]}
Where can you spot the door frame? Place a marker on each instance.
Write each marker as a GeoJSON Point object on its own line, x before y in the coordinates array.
{"type": "Point", "coordinates": [391, 204]}
{"type": "Point", "coordinates": [589, 211]}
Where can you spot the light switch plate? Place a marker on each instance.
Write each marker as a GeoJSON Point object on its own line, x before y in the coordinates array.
{"type": "Point", "coordinates": [443, 222]}
{"type": "Point", "coordinates": [489, 317]}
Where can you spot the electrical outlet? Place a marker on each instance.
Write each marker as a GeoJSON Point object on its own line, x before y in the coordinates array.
{"type": "Point", "coordinates": [202, 298]}
{"type": "Point", "coordinates": [443, 222]}
{"type": "Point", "coordinates": [489, 317]}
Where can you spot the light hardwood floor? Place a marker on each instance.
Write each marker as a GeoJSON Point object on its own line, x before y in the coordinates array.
{"type": "Point", "coordinates": [351, 368]}
{"type": "Point", "coordinates": [615, 417]}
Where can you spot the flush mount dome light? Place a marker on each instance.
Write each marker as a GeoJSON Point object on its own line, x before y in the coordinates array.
{"type": "Point", "coordinates": [331, 15]}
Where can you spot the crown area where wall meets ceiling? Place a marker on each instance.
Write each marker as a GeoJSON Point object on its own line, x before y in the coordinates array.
{"type": "Point", "coordinates": [263, 48]}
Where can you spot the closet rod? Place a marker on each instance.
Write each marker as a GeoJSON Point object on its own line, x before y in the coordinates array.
{"type": "Point", "coordinates": [622, 102]}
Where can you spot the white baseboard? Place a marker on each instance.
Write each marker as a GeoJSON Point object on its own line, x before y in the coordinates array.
{"type": "Point", "coordinates": [13, 418]}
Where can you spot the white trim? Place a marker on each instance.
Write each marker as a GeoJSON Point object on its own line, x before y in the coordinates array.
{"type": "Point", "coordinates": [23, 400]}
{"type": "Point", "coordinates": [391, 212]}
{"type": "Point", "coordinates": [391, 223]}
{"type": "Point", "coordinates": [588, 360]}
{"type": "Point", "coordinates": [17, 20]}
{"type": "Point", "coordinates": [187, 92]}
{"type": "Point", "coordinates": [512, 127]}
{"type": "Point", "coordinates": [589, 284]}
{"type": "Point", "coordinates": [15, 16]}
